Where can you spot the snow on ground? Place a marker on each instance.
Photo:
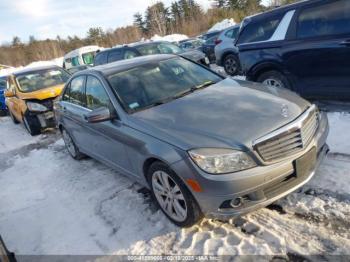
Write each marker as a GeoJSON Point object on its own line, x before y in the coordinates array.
{"type": "Point", "coordinates": [16, 136]}
{"type": "Point", "coordinates": [339, 136]}
{"type": "Point", "coordinates": [52, 204]}
{"type": "Point", "coordinates": [170, 38]}
{"type": "Point", "coordinates": [222, 25]}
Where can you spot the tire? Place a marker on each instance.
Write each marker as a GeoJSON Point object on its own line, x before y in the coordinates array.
{"type": "Point", "coordinates": [32, 125]}
{"type": "Point", "coordinates": [71, 147]}
{"type": "Point", "coordinates": [231, 64]}
{"type": "Point", "coordinates": [14, 120]}
{"type": "Point", "coordinates": [3, 113]}
{"type": "Point", "coordinates": [179, 200]}
{"type": "Point", "coordinates": [275, 79]}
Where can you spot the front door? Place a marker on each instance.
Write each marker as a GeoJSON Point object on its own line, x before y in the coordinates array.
{"type": "Point", "coordinates": [14, 102]}
{"type": "Point", "coordinates": [105, 140]}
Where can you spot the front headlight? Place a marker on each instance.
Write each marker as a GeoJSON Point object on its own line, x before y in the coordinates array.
{"type": "Point", "coordinates": [35, 107]}
{"type": "Point", "coordinates": [206, 59]}
{"type": "Point", "coordinates": [221, 160]}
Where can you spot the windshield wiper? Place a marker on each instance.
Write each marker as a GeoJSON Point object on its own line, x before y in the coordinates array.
{"type": "Point", "coordinates": [205, 84]}
{"type": "Point", "coordinates": [194, 88]}
{"type": "Point", "coordinates": [182, 94]}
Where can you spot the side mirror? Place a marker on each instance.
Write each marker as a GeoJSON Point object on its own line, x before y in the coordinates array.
{"type": "Point", "coordinates": [100, 114]}
{"type": "Point", "coordinates": [9, 93]}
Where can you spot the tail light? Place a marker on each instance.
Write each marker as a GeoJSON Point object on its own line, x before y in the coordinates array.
{"type": "Point", "coordinates": [218, 41]}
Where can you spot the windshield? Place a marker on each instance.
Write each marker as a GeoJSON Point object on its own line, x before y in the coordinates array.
{"type": "Point", "coordinates": [88, 58]}
{"type": "Point", "coordinates": [3, 83]}
{"type": "Point", "coordinates": [159, 48]}
{"type": "Point", "coordinates": [159, 82]}
{"type": "Point", "coordinates": [36, 80]}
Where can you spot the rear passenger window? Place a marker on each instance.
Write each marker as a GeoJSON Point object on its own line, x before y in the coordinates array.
{"type": "Point", "coordinates": [260, 30]}
{"type": "Point", "coordinates": [327, 19]}
{"type": "Point", "coordinates": [76, 91]}
{"type": "Point", "coordinates": [129, 54]}
{"type": "Point", "coordinates": [114, 55]}
{"type": "Point", "coordinates": [100, 58]}
{"type": "Point", "coordinates": [96, 95]}
{"type": "Point", "coordinates": [229, 33]}
{"type": "Point", "coordinates": [232, 33]}
{"type": "Point", "coordinates": [75, 61]}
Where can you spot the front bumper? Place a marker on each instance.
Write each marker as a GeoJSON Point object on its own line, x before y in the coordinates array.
{"type": "Point", "coordinates": [257, 187]}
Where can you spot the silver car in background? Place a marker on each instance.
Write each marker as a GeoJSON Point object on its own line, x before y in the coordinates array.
{"type": "Point", "coordinates": [226, 52]}
{"type": "Point", "coordinates": [204, 145]}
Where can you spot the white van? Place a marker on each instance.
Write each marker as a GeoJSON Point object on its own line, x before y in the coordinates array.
{"type": "Point", "coordinates": [81, 56]}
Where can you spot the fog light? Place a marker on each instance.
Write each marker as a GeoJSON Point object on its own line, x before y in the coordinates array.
{"type": "Point", "coordinates": [237, 202]}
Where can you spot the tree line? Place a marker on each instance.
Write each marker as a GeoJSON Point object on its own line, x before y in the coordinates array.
{"type": "Point", "coordinates": [182, 16]}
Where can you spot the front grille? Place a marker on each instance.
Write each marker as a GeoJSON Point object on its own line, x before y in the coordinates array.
{"type": "Point", "coordinates": [289, 140]}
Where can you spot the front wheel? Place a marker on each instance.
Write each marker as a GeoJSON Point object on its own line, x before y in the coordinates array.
{"type": "Point", "coordinates": [231, 65]}
{"type": "Point", "coordinates": [32, 124]}
{"type": "Point", "coordinates": [274, 79]}
{"type": "Point", "coordinates": [172, 196]}
{"type": "Point", "coordinates": [70, 145]}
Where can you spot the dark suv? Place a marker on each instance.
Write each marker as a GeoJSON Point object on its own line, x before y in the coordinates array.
{"type": "Point", "coordinates": [147, 48]}
{"type": "Point", "coordinates": [304, 47]}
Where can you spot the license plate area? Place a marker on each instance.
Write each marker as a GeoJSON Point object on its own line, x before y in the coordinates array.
{"type": "Point", "coordinates": [49, 115]}
{"type": "Point", "coordinates": [306, 164]}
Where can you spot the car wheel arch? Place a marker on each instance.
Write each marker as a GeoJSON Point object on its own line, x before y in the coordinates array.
{"type": "Point", "coordinates": [260, 69]}
{"type": "Point", "coordinates": [150, 161]}
{"type": "Point", "coordinates": [227, 53]}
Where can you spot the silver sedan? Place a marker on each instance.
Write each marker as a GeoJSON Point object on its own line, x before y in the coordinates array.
{"type": "Point", "coordinates": [204, 145]}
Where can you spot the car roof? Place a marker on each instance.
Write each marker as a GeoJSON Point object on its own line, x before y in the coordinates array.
{"type": "Point", "coordinates": [131, 46]}
{"type": "Point", "coordinates": [148, 43]}
{"type": "Point", "coordinates": [35, 69]}
{"type": "Point", "coordinates": [124, 65]}
{"type": "Point", "coordinates": [283, 9]}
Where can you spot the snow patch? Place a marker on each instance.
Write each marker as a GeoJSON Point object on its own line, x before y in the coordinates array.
{"type": "Point", "coordinates": [170, 38]}
{"type": "Point", "coordinates": [222, 25]}
{"type": "Point", "coordinates": [338, 136]}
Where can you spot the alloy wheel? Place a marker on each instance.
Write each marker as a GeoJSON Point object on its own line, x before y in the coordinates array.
{"type": "Point", "coordinates": [231, 66]}
{"type": "Point", "coordinates": [273, 82]}
{"type": "Point", "coordinates": [69, 143]}
{"type": "Point", "coordinates": [169, 196]}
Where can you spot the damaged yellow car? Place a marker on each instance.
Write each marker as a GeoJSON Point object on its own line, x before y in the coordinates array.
{"type": "Point", "coordinates": [30, 94]}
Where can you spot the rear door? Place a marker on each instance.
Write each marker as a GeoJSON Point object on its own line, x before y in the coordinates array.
{"type": "Point", "coordinates": [319, 56]}
{"type": "Point", "coordinates": [73, 108]}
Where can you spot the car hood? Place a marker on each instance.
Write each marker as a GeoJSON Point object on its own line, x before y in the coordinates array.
{"type": "Point", "coordinates": [231, 113]}
{"type": "Point", "coordinates": [194, 55]}
{"type": "Point", "coordinates": [49, 92]}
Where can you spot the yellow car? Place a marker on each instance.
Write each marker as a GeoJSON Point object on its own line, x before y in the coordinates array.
{"type": "Point", "coordinates": [30, 94]}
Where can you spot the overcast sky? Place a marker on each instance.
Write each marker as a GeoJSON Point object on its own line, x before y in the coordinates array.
{"type": "Point", "coordinates": [49, 18]}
